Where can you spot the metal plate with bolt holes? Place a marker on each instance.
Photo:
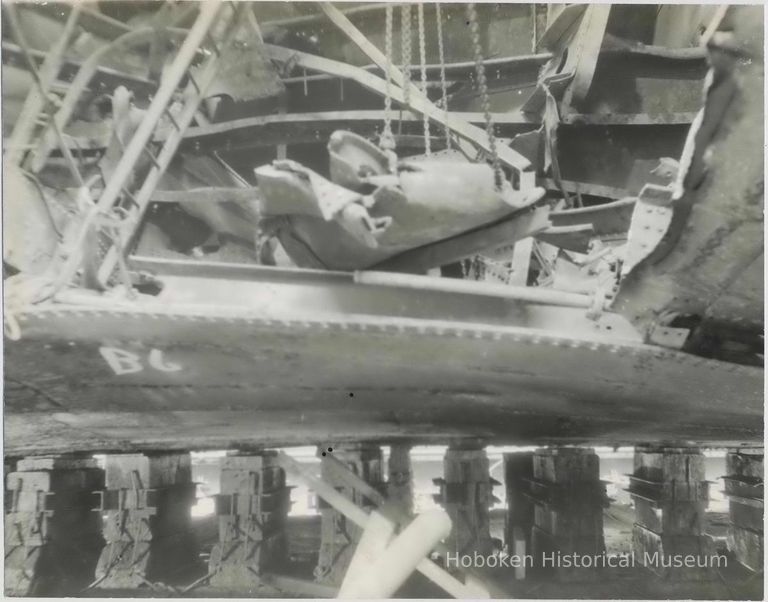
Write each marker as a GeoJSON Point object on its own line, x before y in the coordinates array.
{"type": "Point", "coordinates": [249, 367]}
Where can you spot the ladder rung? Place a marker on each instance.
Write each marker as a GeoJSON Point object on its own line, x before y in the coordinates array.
{"type": "Point", "coordinates": [172, 118]}
{"type": "Point", "coordinates": [212, 42]}
{"type": "Point", "coordinates": [151, 157]}
{"type": "Point", "coordinates": [193, 82]}
{"type": "Point", "coordinates": [130, 196]}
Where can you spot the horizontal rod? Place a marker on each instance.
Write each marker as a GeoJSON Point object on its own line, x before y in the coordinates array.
{"type": "Point", "coordinates": [526, 294]}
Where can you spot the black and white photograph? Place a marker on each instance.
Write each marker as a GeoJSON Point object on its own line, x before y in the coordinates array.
{"type": "Point", "coordinates": [369, 300]}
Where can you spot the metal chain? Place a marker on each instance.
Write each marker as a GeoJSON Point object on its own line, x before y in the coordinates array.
{"type": "Point", "coordinates": [482, 84]}
{"type": "Point", "coordinates": [387, 141]}
{"type": "Point", "coordinates": [423, 61]}
{"type": "Point", "coordinates": [443, 84]}
{"type": "Point", "coordinates": [405, 51]}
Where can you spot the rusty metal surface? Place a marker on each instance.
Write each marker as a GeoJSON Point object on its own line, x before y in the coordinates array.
{"type": "Point", "coordinates": [160, 375]}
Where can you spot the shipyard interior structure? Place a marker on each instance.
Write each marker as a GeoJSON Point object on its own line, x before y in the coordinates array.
{"type": "Point", "coordinates": [383, 299]}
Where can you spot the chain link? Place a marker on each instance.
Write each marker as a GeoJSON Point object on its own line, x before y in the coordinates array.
{"type": "Point", "coordinates": [482, 84]}
{"type": "Point", "coordinates": [423, 61]}
{"type": "Point", "coordinates": [443, 84]}
{"type": "Point", "coordinates": [387, 141]}
{"type": "Point", "coordinates": [405, 51]}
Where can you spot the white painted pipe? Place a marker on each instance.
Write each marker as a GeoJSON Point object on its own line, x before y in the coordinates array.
{"type": "Point", "coordinates": [357, 515]}
{"type": "Point", "coordinates": [373, 542]}
{"type": "Point", "coordinates": [400, 559]}
{"type": "Point", "coordinates": [528, 294]}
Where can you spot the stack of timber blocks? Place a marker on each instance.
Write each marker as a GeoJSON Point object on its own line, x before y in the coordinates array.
{"type": "Point", "coordinates": [568, 501]}
{"type": "Point", "coordinates": [52, 536]}
{"type": "Point", "coordinates": [670, 495]}
{"type": "Point", "coordinates": [147, 526]}
{"type": "Point", "coordinates": [252, 508]}
{"type": "Point", "coordinates": [400, 481]}
{"type": "Point", "coordinates": [339, 536]}
{"type": "Point", "coordinates": [466, 493]}
{"type": "Point", "coordinates": [744, 488]}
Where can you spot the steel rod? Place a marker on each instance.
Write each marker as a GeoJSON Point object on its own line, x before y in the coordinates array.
{"type": "Point", "coordinates": [527, 294]}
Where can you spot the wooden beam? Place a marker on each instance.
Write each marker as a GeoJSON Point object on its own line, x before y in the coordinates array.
{"type": "Point", "coordinates": [299, 587]}
{"type": "Point", "coordinates": [352, 480]}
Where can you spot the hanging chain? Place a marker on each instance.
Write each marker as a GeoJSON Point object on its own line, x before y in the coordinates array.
{"type": "Point", "coordinates": [423, 60]}
{"type": "Point", "coordinates": [387, 141]}
{"type": "Point", "coordinates": [405, 52]}
{"type": "Point", "coordinates": [482, 84]}
{"type": "Point", "coordinates": [443, 84]}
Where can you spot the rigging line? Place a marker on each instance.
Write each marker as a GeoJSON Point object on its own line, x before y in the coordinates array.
{"type": "Point", "coordinates": [441, 59]}
{"type": "Point", "coordinates": [423, 65]}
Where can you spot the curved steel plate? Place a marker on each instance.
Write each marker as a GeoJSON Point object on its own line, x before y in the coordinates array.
{"type": "Point", "coordinates": [155, 377]}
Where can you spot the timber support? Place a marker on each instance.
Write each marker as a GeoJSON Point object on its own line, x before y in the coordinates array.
{"type": "Point", "coordinates": [744, 488]}
{"type": "Point", "coordinates": [147, 525]}
{"type": "Point", "coordinates": [568, 498]}
{"type": "Point", "coordinates": [252, 509]}
{"type": "Point", "coordinates": [400, 479]}
{"type": "Point", "coordinates": [339, 536]}
{"type": "Point", "coordinates": [466, 493]}
{"type": "Point", "coordinates": [670, 495]}
{"type": "Point", "coordinates": [52, 537]}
